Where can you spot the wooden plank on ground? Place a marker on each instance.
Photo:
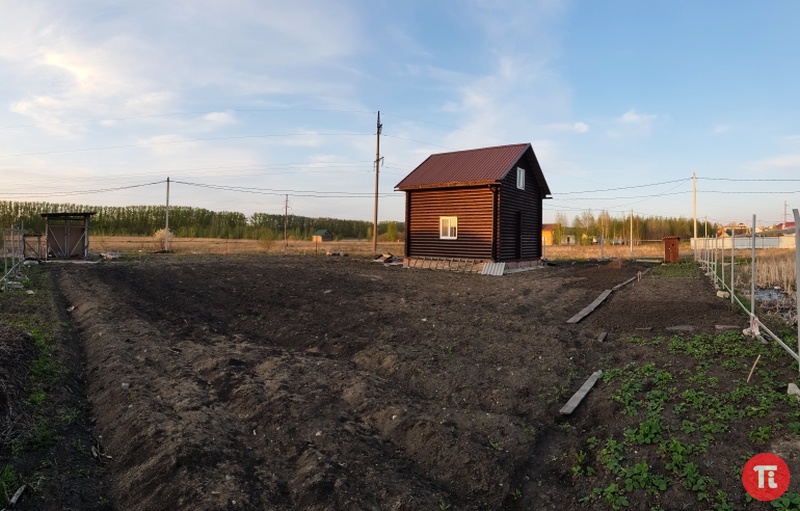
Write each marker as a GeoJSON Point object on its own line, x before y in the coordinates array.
{"type": "Point", "coordinates": [624, 283]}
{"type": "Point", "coordinates": [589, 308]}
{"type": "Point", "coordinates": [576, 399]}
{"type": "Point", "coordinates": [602, 336]}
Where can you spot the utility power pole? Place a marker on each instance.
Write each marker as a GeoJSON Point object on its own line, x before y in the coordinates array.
{"type": "Point", "coordinates": [166, 223]}
{"type": "Point", "coordinates": [785, 206]}
{"type": "Point", "coordinates": [631, 233]}
{"type": "Point", "coordinates": [286, 223]}
{"type": "Point", "coordinates": [377, 166]}
{"type": "Point", "coordinates": [694, 193]}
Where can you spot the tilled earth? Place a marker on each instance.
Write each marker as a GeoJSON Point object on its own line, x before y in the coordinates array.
{"type": "Point", "coordinates": [330, 383]}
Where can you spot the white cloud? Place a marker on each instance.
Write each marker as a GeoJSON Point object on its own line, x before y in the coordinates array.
{"type": "Point", "coordinates": [632, 123]}
{"type": "Point", "coordinates": [722, 128]}
{"type": "Point", "coordinates": [580, 127]}
{"type": "Point", "coordinates": [634, 117]}
{"type": "Point", "coordinates": [220, 118]}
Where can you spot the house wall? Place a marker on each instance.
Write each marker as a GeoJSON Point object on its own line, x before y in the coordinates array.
{"type": "Point", "coordinates": [472, 206]}
{"type": "Point", "coordinates": [523, 241]}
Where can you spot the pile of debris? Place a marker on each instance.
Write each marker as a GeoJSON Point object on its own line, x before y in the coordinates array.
{"type": "Point", "coordinates": [389, 259]}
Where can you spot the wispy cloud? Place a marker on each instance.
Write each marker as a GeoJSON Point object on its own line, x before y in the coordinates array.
{"type": "Point", "coordinates": [778, 162]}
{"type": "Point", "coordinates": [633, 123]}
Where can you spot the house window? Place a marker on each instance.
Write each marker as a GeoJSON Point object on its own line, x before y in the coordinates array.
{"type": "Point", "coordinates": [448, 227]}
{"type": "Point", "coordinates": [520, 178]}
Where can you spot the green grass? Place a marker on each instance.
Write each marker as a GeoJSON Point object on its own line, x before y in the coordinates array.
{"type": "Point", "coordinates": [674, 417]}
{"type": "Point", "coordinates": [677, 270]}
{"type": "Point", "coordinates": [9, 480]}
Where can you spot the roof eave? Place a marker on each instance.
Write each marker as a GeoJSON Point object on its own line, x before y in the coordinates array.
{"type": "Point", "coordinates": [455, 184]}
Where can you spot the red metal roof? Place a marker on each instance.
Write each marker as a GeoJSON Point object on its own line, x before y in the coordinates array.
{"type": "Point", "coordinates": [472, 167]}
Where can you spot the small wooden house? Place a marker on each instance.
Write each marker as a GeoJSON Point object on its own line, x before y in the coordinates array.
{"type": "Point", "coordinates": [548, 231]}
{"type": "Point", "coordinates": [322, 236]}
{"type": "Point", "coordinates": [481, 204]}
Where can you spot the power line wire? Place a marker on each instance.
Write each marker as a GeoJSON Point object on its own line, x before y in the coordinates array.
{"type": "Point", "coordinates": [175, 114]}
{"type": "Point", "coordinates": [181, 141]}
{"type": "Point", "coordinates": [746, 180]}
{"type": "Point", "coordinates": [296, 193]}
{"type": "Point", "coordinates": [80, 192]}
{"type": "Point", "coordinates": [628, 187]}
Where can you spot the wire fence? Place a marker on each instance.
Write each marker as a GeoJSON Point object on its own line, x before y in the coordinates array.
{"type": "Point", "coordinates": [760, 265]}
{"type": "Point", "coordinates": [13, 255]}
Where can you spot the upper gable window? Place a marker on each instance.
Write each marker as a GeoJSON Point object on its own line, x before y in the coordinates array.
{"type": "Point", "coordinates": [520, 178]}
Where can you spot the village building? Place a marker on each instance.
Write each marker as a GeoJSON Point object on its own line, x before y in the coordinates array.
{"type": "Point", "coordinates": [479, 204]}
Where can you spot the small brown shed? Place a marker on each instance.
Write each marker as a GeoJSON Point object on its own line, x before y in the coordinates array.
{"type": "Point", "coordinates": [67, 235]}
{"type": "Point", "coordinates": [482, 204]}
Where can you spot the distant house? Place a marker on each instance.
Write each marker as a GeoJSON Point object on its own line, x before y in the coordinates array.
{"type": "Point", "coordinates": [481, 204]}
{"type": "Point", "coordinates": [322, 236]}
{"type": "Point", "coordinates": [547, 234]}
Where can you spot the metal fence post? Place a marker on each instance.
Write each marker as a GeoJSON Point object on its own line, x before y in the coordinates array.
{"type": "Point", "coordinates": [753, 270]}
{"type": "Point", "coordinates": [5, 263]}
{"type": "Point", "coordinates": [797, 273]}
{"type": "Point", "coordinates": [12, 248]}
{"type": "Point", "coordinates": [733, 261]}
{"type": "Point", "coordinates": [722, 261]}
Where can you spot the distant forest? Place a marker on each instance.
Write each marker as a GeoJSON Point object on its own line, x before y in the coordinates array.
{"type": "Point", "coordinates": [587, 226]}
{"type": "Point", "coordinates": [188, 222]}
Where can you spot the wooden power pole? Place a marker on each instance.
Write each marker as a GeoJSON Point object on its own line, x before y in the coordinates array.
{"type": "Point", "coordinates": [286, 223]}
{"type": "Point", "coordinates": [166, 223]}
{"type": "Point", "coordinates": [377, 166]}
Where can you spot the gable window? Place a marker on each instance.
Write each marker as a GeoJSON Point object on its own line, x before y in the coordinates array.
{"type": "Point", "coordinates": [520, 178]}
{"type": "Point", "coordinates": [448, 227]}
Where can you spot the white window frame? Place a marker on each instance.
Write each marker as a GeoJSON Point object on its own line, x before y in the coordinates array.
{"type": "Point", "coordinates": [448, 227]}
{"type": "Point", "coordinates": [520, 178]}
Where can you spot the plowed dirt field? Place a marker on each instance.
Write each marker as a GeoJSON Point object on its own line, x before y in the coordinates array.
{"type": "Point", "coordinates": [332, 383]}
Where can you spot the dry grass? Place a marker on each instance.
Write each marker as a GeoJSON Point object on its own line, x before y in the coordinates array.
{"type": "Point", "coordinates": [132, 246]}
{"type": "Point", "coordinates": [775, 267]}
{"type": "Point", "coordinates": [577, 252]}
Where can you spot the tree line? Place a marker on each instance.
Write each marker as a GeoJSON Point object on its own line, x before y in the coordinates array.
{"type": "Point", "coordinates": [189, 222]}
{"type": "Point", "coordinates": [587, 228]}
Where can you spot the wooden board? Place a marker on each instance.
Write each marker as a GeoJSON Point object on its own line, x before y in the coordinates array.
{"type": "Point", "coordinates": [589, 308]}
{"type": "Point", "coordinates": [576, 399]}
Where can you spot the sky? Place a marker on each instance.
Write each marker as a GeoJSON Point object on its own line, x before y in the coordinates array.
{"type": "Point", "coordinates": [243, 103]}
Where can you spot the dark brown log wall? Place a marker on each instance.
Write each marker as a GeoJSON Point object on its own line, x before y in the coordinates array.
{"type": "Point", "coordinates": [472, 206]}
{"type": "Point", "coordinates": [520, 217]}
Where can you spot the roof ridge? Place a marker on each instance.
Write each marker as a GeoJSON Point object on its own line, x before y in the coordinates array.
{"type": "Point", "coordinates": [522, 144]}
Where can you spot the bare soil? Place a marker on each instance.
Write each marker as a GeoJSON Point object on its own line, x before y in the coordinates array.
{"type": "Point", "coordinates": [334, 383]}
{"type": "Point", "coordinates": [255, 382]}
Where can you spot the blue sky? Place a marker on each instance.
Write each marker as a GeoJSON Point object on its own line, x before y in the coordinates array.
{"type": "Point", "coordinates": [240, 103]}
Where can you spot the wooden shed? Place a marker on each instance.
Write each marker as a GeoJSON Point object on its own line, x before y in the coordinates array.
{"type": "Point", "coordinates": [67, 235]}
{"type": "Point", "coordinates": [321, 236]}
{"type": "Point", "coordinates": [481, 204]}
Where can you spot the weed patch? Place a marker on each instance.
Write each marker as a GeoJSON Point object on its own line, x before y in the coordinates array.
{"type": "Point", "coordinates": [675, 420]}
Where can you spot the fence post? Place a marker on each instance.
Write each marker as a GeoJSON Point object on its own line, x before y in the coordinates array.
{"type": "Point", "coordinates": [733, 261]}
{"type": "Point", "coordinates": [797, 272]}
{"type": "Point", "coordinates": [722, 260]}
{"type": "Point", "coordinates": [5, 263]}
{"type": "Point", "coordinates": [753, 270]}
{"type": "Point", "coordinates": [14, 253]}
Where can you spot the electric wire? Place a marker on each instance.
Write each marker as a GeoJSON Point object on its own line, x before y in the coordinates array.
{"type": "Point", "coordinates": [182, 141]}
